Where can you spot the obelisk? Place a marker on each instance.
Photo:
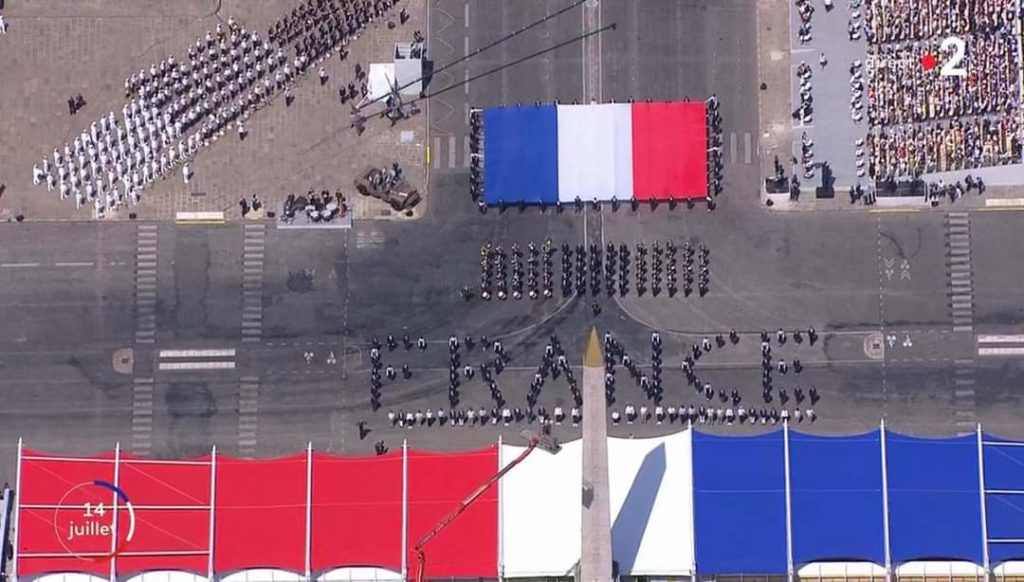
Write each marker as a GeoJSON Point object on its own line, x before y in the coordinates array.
{"type": "Point", "coordinates": [596, 558]}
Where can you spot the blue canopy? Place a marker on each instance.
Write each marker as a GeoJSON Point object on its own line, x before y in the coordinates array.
{"type": "Point", "coordinates": [837, 505]}
{"type": "Point", "coordinates": [521, 154]}
{"type": "Point", "coordinates": [739, 503]}
{"type": "Point", "coordinates": [1004, 498]}
{"type": "Point", "coordinates": [836, 493]}
{"type": "Point", "coordinates": [934, 498]}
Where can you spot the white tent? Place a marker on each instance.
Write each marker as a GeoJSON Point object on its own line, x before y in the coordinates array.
{"type": "Point", "coordinates": [69, 577]}
{"type": "Point", "coordinates": [1011, 568]}
{"type": "Point", "coordinates": [925, 569]}
{"type": "Point", "coordinates": [380, 80]}
{"type": "Point", "coordinates": [652, 512]}
{"type": "Point", "coordinates": [167, 576]}
{"type": "Point", "coordinates": [841, 570]}
{"type": "Point", "coordinates": [263, 575]}
{"type": "Point", "coordinates": [652, 508]}
{"type": "Point", "coordinates": [360, 575]}
{"type": "Point", "coordinates": [540, 512]}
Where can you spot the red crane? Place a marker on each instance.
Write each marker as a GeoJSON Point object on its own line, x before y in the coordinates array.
{"type": "Point", "coordinates": [533, 441]}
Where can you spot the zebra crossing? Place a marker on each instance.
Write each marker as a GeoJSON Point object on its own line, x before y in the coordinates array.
{"type": "Point", "coordinates": [749, 148]}
{"type": "Point", "coordinates": [369, 238]}
{"type": "Point", "coordinates": [248, 406]}
{"type": "Point", "coordinates": [142, 416]}
{"type": "Point", "coordinates": [145, 284]}
{"type": "Point", "coordinates": [1001, 345]}
{"type": "Point", "coordinates": [452, 152]}
{"type": "Point", "coordinates": [252, 281]}
{"type": "Point", "coordinates": [964, 397]}
{"type": "Point", "coordinates": [958, 231]}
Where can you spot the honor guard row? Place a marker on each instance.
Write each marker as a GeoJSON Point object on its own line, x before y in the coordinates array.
{"type": "Point", "coordinates": [513, 274]}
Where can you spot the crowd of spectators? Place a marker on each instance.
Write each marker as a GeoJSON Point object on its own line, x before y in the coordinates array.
{"type": "Point", "coordinates": [957, 144]}
{"type": "Point", "coordinates": [888, 21]}
{"type": "Point", "coordinates": [902, 91]}
{"type": "Point", "coordinates": [923, 121]}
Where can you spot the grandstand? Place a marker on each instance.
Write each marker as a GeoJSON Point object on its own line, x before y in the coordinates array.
{"type": "Point", "coordinates": [691, 505]}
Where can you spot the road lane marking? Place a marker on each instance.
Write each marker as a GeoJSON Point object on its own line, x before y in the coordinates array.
{"type": "Point", "coordinates": [1001, 351]}
{"type": "Point", "coordinates": [224, 353]}
{"type": "Point", "coordinates": [80, 264]}
{"type": "Point", "coordinates": [18, 265]}
{"type": "Point", "coordinates": [999, 339]}
{"type": "Point", "coordinates": [1004, 202]}
{"type": "Point", "coordinates": [179, 366]}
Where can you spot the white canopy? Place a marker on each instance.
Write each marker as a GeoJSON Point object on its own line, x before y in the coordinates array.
{"type": "Point", "coordinates": [167, 576]}
{"type": "Point", "coordinates": [922, 569]}
{"type": "Point", "coordinates": [380, 80]}
{"type": "Point", "coordinates": [263, 575]}
{"type": "Point", "coordinates": [652, 514]}
{"type": "Point", "coordinates": [841, 570]}
{"type": "Point", "coordinates": [1012, 568]}
{"type": "Point", "coordinates": [360, 575]}
{"type": "Point", "coordinates": [70, 577]}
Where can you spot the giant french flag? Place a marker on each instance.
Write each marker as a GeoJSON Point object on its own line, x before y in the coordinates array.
{"type": "Point", "coordinates": [638, 151]}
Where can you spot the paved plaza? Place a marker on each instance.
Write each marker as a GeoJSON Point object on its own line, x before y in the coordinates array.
{"type": "Point", "coordinates": [59, 49]}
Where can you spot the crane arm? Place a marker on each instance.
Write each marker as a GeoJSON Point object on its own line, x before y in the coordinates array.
{"type": "Point", "coordinates": [421, 557]}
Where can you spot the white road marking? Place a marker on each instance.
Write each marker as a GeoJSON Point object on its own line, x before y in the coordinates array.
{"type": "Point", "coordinates": [225, 353]}
{"type": "Point", "coordinates": [172, 366]}
{"type": "Point", "coordinates": [81, 264]}
{"type": "Point", "coordinates": [999, 339]}
{"type": "Point", "coordinates": [1004, 202]}
{"type": "Point", "coordinates": [1001, 351]}
{"type": "Point", "coordinates": [18, 265]}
